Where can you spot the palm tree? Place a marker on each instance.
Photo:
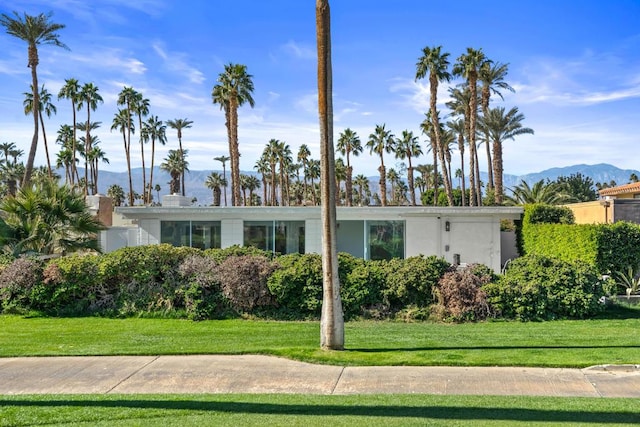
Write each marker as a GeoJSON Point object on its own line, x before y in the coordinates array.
{"type": "Point", "coordinates": [140, 106]}
{"type": "Point", "coordinates": [71, 91]}
{"type": "Point", "coordinates": [175, 164]}
{"type": "Point", "coordinates": [263, 167]}
{"type": "Point", "coordinates": [88, 96]}
{"type": "Point", "coordinates": [458, 127]}
{"type": "Point", "coordinates": [304, 154]}
{"type": "Point", "coordinates": [35, 30]}
{"type": "Point", "coordinates": [314, 170]}
{"type": "Point", "coordinates": [234, 88]}
{"type": "Point", "coordinates": [127, 97]}
{"type": "Point", "coordinates": [116, 193]}
{"type": "Point", "coordinates": [341, 175]}
{"type": "Point", "coordinates": [381, 141]}
{"type": "Point", "coordinates": [122, 122]}
{"type": "Point", "coordinates": [331, 321]}
{"type": "Point", "coordinates": [408, 147]}
{"type": "Point", "coordinates": [155, 131]}
{"type": "Point", "coordinates": [550, 193]}
{"type": "Point", "coordinates": [427, 129]}
{"type": "Point", "coordinates": [393, 178]}
{"type": "Point", "coordinates": [178, 125]}
{"type": "Point", "coordinates": [468, 66]}
{"type": "Point", "coordinates": [349, 143]}
{"type": "Point", "coordinates": [85, 148]}
{"type": "Point", "coordinates": [284, 157]}
{"type": "Point", "coordinates": [96, 155]}
{"type": "Point", "coordinates": [224, 159]}
{"type": "Point", "coordinates": [271, 156]}
{"type": "Point", "coordinates": [48, 108]}
{"type": "Point", "coordinates": [251, 183]}
{"type": "Point", "coordinates": [499, 127]}
{"type": "Point", "coordinates": [492, 77]}
{"type": "Point", "coordinates": [362, 182]}
{"type": "Point", "coordinates": [436, 63]}
{"type": "Point", "coordinates": [214, 182]}
{"type": "Point", "coordinates": [48, 220]}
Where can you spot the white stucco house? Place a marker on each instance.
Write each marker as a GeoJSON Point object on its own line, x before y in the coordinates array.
{"type": "Point", "coordinates": [462, 235]}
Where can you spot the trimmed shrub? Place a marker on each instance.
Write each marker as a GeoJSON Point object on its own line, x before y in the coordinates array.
{"type": "Point", "coordinates": [243, 280]}
{"type": "Point", "coordinates": [542, 288]}
{"type": "Point", "coordinates": [411, 281]}
{"type": "Point", "coordinates": [19, 282]}
{"type": "Point", "coordinates": [220, 255]}
{"type": "Point", "coordinates": [460, 297]}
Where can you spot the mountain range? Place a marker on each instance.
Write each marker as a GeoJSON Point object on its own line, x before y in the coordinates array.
{"type": "Point", "coordinates": [195, 179]}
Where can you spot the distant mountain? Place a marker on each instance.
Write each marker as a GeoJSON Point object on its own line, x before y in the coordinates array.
{"type": "Point", "coordinates": [603, 172]}
{"type": "Point", "coordinates": [195, 179]}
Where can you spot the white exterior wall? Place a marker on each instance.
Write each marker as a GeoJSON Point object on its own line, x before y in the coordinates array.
{"type": "Point", "coordinates": [313, 236]}
{"type": "Point", "coordinates": [149, 232]}
{"type": "Point", "coordinates": [422, 236]}
{"type": "Point", "coordinates": [231, 233]}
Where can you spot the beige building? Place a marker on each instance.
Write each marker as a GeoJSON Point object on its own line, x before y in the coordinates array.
{"type": "Point", "coordinates": [621, 203]}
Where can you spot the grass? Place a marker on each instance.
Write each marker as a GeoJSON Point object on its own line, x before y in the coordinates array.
{"type": "Point", "coordinates": [313, 410]}
{"type": "Point", "coordinates": [568, 343]}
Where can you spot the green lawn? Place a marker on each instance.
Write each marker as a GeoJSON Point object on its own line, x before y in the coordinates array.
{"type": "Point", "coordinates": [572, 343]}
{"type": "Point", "coordinates": [313, 410]}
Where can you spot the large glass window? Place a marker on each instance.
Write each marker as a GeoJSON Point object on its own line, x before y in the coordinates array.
{"type": "Point", "coordinates": [385, 239]}
{"type": "Point", "coordinates": [284, 237]}
{"type": "Point", "coordinates": [197, 234]}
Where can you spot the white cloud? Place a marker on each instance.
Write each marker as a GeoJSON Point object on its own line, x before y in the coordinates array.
{"type": "Point", "coordinates": [177, 62]}
{"type": "Point", "coordinates": [299, 50]}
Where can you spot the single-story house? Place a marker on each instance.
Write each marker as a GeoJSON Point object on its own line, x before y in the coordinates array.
{"type": "Point", "coordinates": [462, 235]}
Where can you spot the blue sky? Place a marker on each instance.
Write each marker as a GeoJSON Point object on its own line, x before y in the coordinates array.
{"type": "Point", "coordinates": [574, 65]}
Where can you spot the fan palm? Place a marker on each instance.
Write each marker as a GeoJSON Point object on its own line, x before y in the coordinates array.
{"type": "Point", "coordinates": [234, 89]}
{"type": "Point", "coordinates": [127, 97]}
{"type": "Point", "coordinates": [214, 181]}
{"type": "Point", "coordinates": [71, 91]}
{"type": "Point", "coordinates": [122, 122]}
{"type": "Point", "coordinates": [435, 62]}
{"type": "Point", "coordinates": [224, 160]}
{"type": "Point", "coordinates": [491, 75]}
{"type": "Point", "coordinates": [349, 143]}
{"type": "Point", "coordinates": [154, 130]}
{"type": "Point", "coordinates": [550, 193]}
{"type": "Point", "coordinates": [408, 147]}
{"type": "Point", "coordinates": [468, 66]}
{"type": "Point", "coordinates": [48, 108]}
{"type": "Point", "coordinates": [178, 125]}
{"type": "Point", "coordinates": [381, 141]}
{"type": "Point", "coordinates": [499, 127]}
{"type": "Point", "coordinates": [35, 30]}
{"type": "Point", "coordinates": [90, 97]}
{"type": "Point", "coordinates": [174, 164]}
{"type": "Point", "coordinates": [48, 220]}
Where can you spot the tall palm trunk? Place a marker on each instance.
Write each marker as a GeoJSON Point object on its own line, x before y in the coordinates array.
{"type": "Point", "coordinates": [485, 108]}
{"type": "Point", "coordinates": [33, 63]}
{"type": "Point", "coordinates": [412, 187]}
{"type": "Point", "coordinates": [144, 170]}
{"type": "Point", "coordinates": [436, 183]}
{"type": "Point", "coordinates": [332, 321]}
{"type": "Point", "coordinates": [383, 182]}
{"type": "Point", "coordinates": [153, 155]}
{"type": "Point", "coordinates": [127, 150]}
{"type": "Point", "coordinates": [462, 181]}
{"type": "Point", "coordinates": [348, 184]}
{"type": "Point", "coordinates": [235, 155]}
{"type": "Point", "coordinates": [433, 83]}
{"type": "Point", "coordinates": [473, 112]}
{"type": "Point", "coordinates": [46, 146]}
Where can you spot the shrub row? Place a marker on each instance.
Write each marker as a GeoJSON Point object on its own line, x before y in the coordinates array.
{"type": "Point", "coordinates": [190, 283]}
{"type": "Point", "coordinates": [549, 231]}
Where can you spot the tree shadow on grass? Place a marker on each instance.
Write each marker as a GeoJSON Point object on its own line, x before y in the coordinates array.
{"type": "Point", "coordinates": [398, 411]}
{"type": "Point", "coordinates": [620, 310]}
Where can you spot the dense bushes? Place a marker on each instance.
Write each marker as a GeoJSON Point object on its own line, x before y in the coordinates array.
{"type": "Point", "coordinates": [541, 288]}
{"type": "Point", "coordinates": [163, 280]}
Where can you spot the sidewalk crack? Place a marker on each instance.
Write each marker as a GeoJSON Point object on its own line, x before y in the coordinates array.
{"type": "Point", "coordinates": [335, 385]}
{"type": "Point", "coordinates": [132, 374]}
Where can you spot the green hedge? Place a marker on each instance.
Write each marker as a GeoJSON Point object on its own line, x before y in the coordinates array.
{"type": "Point", "coordinates": [548, 231]}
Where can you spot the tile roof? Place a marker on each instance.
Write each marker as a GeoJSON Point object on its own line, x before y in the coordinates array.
{"type": "Point", "coordinates": [634, 187]}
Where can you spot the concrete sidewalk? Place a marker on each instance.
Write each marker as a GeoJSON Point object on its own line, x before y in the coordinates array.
{"type": "Point", "coordinates": [264, 374]}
